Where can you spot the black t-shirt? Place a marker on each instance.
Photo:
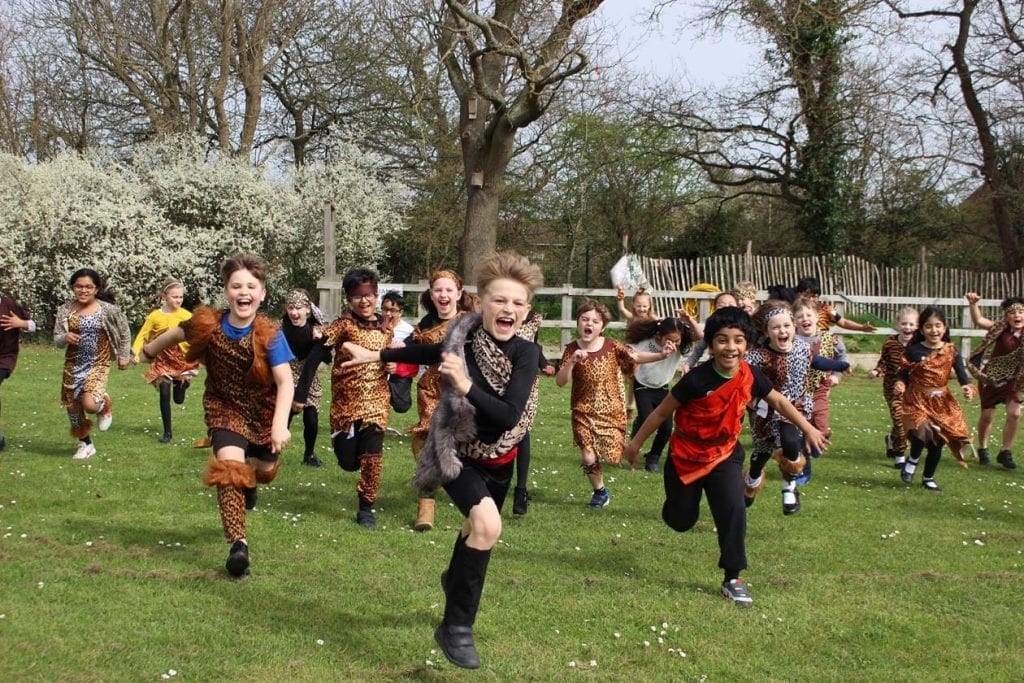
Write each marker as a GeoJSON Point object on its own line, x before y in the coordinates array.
{"type": "Point", "coordinates": [703, 380]}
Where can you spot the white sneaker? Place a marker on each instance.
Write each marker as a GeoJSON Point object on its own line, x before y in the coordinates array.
{"type": "Point", "coordinates": [105, 418]}
{"type": "Point", "coordinates": [85, 450]}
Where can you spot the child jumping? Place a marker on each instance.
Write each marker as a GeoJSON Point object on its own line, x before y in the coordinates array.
{"type": "Point", "coordinates": [169, 372]}
{"type": "Point", "coordinates": [596, 364]}
{"type": "Point", "coordinates": [247, 396]}
{"type": "Point", "coordinates": [888, 367]}
{"type": "Point", "coordinates": [931, 416]}
{"type": "Point", "coordinates": [705, 456]}
{"type": "Point", "coordinates": [95, 332]}
{"type": "Point", "coordinates": [1002, 340]}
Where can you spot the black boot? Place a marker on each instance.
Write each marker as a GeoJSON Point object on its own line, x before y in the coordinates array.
{"type": "Point", "coordinates": [238, 559]}
{"type": "Point", "coordinates": [651, 463]}
{"type": "Point", "coordinates": [465, 583]}
{"type": "Point", "coordinates": [520, 501]}
{"type": "Point", "coordinates": [180, 386]}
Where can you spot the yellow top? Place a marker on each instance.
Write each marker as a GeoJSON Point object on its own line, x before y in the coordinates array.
{"type": "Point", "coordinates": [156, 324]}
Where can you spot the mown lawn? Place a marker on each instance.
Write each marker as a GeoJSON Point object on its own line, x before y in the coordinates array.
{"type": "Point", "coordinates": [112, 568]}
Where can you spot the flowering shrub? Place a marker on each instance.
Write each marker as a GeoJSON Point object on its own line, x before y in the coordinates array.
{"type": "Point", "coordinates": [170, 210]}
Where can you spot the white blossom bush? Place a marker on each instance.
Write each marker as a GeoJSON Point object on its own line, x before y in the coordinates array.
{"type": "Point", "coordinates": [170, 210]}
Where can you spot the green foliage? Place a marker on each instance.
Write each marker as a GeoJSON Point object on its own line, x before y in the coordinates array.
{"type": "Point", "coordinates": [112, 568]}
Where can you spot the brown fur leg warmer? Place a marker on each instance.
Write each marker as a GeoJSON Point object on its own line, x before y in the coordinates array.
{"type": "Point", "coordinates": [790, 467]}
{"type": "Point", "coordinates": [229, 473]}
{"type": "Point", "coordinates": [266, 476]}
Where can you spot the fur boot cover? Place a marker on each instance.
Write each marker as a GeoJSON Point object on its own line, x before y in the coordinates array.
{"type": "Point", "coordinates": [453, 422]}
{"type": "Point", "coordinates": [229, 473]}
{"type": "Point", "coordinates": [790, 467]}
{"type": "Point", "coordinates": [82, 430]}
{"type": "Point", "coordinates": [266, 476]}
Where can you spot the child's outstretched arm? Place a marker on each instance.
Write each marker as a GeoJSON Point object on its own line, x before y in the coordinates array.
{"type": "Point", "coordinates": [152, 349]}
{"type": "Point", "coordinates": [976, 317]}
{"type": "Point", "coordinates": [813, 439]}
{"type": "Point", "coordinates": [665, 410]}
{"type": "Point", "coordinates": [620, 298]}
{"type": "Point", "coordinates": [564, 373]}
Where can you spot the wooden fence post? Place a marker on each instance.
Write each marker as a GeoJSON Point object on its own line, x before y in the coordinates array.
{"type": "Point", "coordinates": [566, 336]}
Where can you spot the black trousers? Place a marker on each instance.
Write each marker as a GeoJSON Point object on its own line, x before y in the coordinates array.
{"type": "Point", "coordinates": [724, 488]}
{"type": "Point", "coordinates": [647, 400]}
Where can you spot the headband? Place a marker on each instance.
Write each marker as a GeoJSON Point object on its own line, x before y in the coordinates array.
{"type": "Point", "coordinates": [772, 312]}
{"type": "Point", "coordinates": [297, 298]}
{"type": "Point", "coordinates": [438, 274]}
{"type": "Point", "coordinates": [1014, 308]}
{"type": "Point", "coordinates": [171, 283]}
{"type": "Point", "coordinates": [746, 293]}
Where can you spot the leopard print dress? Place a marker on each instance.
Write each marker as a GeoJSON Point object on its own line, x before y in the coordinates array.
{"type": "Point", "coordinates": [598, 398]}
{"type": "Point", "coordinates": [359, 392]}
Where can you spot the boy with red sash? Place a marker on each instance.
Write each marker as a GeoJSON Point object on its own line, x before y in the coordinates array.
{"type": "Point", "coordinates": [707, 407]}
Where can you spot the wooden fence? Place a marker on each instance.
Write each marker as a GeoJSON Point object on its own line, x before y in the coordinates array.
{"type": "Point", "coordinates": [839, 276]}
{"type": "Point", "coordinates": [666, 302]}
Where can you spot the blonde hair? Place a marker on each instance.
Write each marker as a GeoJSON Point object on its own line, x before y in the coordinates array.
{"type": "Point", "coordinates": [907, 310]}
{"type": "Point", "coordinates": [507, 265]}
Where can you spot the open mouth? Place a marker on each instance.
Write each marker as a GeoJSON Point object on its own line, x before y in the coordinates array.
{"type": "Point", "coordinates": [588, 331]}
{"type": "Point", "coordinates": [504, 325]}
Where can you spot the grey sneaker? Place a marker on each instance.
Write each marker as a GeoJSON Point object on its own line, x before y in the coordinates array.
{"type": "Point", "coordinates": [983, 458]}
{"type": "Point", "coordinates": [599, 499]}
{"type": "Point", "coordinates": [736, 590]}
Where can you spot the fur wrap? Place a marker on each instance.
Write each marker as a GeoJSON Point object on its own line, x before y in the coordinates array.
{"type": "Point", "coordinates": [453, 422]}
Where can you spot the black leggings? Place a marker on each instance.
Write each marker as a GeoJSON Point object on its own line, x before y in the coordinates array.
{"type": "Point", "coordinates": [792, 441]}
{"type": "Point", "coordinates": [165, 405]}
{"type": "Point", "coordinates": [310, 427]}
{"type": "Point", "coordinates": [523, 462]}
{"type": "Point", "coordinates": [931, 461]}
{"type": "Point", "coordinates": [724, 488]}
{"type": "Point", "coordinates": [647, 399]}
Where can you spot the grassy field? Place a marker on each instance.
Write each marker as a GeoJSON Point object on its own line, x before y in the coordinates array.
{"type": "Point", "coordinates": [112, 568]}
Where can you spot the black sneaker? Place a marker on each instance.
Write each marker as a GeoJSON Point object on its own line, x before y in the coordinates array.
{"type": "Point", "coordinates": [166, 438]}
{"type": "Point", "coordinates": [3, 441]}
{"type": "Point", "coordinates": [930, 485]}
{"type": "Point", "coordinates": [311, 460]}
{"type": "Point", "coordinates": [651, 465]}
{"type": "Point", "coordinates": [1006, 460]}
{"type": "Point", "coordinates": [250, 498]}
{"type": "Point", "coordinates": [238, 559]}
{"type": "Point", "coordinates": [520, 501]}
{"type": "Point", "coordinates": [599, 500]}
{"type": "Point", "coordinates": [983, 458]}
{"type": "Point", "coordinates": [366, 519]}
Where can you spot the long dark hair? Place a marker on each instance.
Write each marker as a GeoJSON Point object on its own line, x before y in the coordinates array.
{"type": "Point", "coordinates": [929, 312]}
{"type": "Point", "coordinates": [638, 330]}
{"type": "Point", "coordinates": [102, 293]}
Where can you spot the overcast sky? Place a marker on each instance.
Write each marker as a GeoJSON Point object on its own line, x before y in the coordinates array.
{"type": "Point", "coordinates": [674, 46]}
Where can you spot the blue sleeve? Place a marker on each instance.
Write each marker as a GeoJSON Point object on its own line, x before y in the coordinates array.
{"type": "Point", "coordinates": [278, 351]}
{"type": "Point", "coordinates": [829, 365]}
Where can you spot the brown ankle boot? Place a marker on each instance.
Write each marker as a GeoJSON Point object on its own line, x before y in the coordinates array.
{"type": "Point", "coordinates": [424, 515]}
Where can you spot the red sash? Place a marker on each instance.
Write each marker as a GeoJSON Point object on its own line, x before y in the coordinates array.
{"type": "Point", "coordinates": [707, 429]}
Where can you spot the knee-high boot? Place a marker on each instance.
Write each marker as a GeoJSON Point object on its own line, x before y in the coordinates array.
{"type": "Point", "coordinates": [464, 586]}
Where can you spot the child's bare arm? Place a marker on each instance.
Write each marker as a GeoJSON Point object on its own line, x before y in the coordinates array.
{"type": "Point", "coordinates": [279, 434]}
{"type": "Point", "coordinates": [152, 349]}
{"type": "Point", "coordinates": [975, 310]}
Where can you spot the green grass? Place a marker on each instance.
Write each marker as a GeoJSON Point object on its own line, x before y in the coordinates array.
{"type": "Point", "coordinates": [112, 568]}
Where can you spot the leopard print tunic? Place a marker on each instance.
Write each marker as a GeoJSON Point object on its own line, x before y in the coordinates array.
{"type": "Point", "coordinates": [428, 388]}
{"type": "Point", "coordinates": [359, 392]}
{"type": "Point", "coordinates": [598, 398]}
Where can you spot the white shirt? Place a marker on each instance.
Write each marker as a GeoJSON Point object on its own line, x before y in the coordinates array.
{"type": "Point", "coordinates": [659, 373]}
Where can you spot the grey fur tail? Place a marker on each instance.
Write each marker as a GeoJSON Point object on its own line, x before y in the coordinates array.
{"type": "Point", "coordinates": [453, 422]}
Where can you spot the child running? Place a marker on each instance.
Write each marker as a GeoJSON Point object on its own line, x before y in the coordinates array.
{"type": "Point", "coordinates": [303, 327]}
{"type": "Point", "coordinates": [596, 364]}
{"type": "Point", "coordinates": [888, 367]}
{"type": "Point", "coordinates": [14, 318]}
{"type": "Point", "coordinates": [360, 398]}
{"type": "Point", "coordinates": [931, 416]}
{"type": "Point", "coordinates": [169, 372]}
{"type": "Point", "coordinates": [392, 305]}
{"type": "Point", "coordinates": [786, 360]}
{"type": "Point", "coordinates": [487, 406]}
{"type": "Point", "coordinates": [650, 381]}
{"type": "Point", "coordinates": [705, 455]}
{"type": "Point", "coordinates": [827, 345]}
{"type": "Point", "coordinates": [95, 333]}
{"type": "Point", "coordinates": [247, 396]}
{"type": "Point", "coordinates": [444, 302]}
{"type": "Point", "coordinates": [1002, 340]}
{"type": "Point", "coordinates": [809, 288]}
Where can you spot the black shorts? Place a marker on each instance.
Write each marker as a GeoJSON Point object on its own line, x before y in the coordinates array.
{"type": "Point", "coordinates": [223, 437]}
{"type": "Point", "coordinates": [368, 440]}
{"type": "Point", "coordinates": [476, 482]}
{"type": "Point", "coordinates": [4, 374]}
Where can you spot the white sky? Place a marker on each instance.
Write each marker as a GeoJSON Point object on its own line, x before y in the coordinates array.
{"type": "Point", "coordinates": [673, 46]}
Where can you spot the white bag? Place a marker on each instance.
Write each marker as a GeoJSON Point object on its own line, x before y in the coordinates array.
{"type": "Point", "coordinates": [628, 274]}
